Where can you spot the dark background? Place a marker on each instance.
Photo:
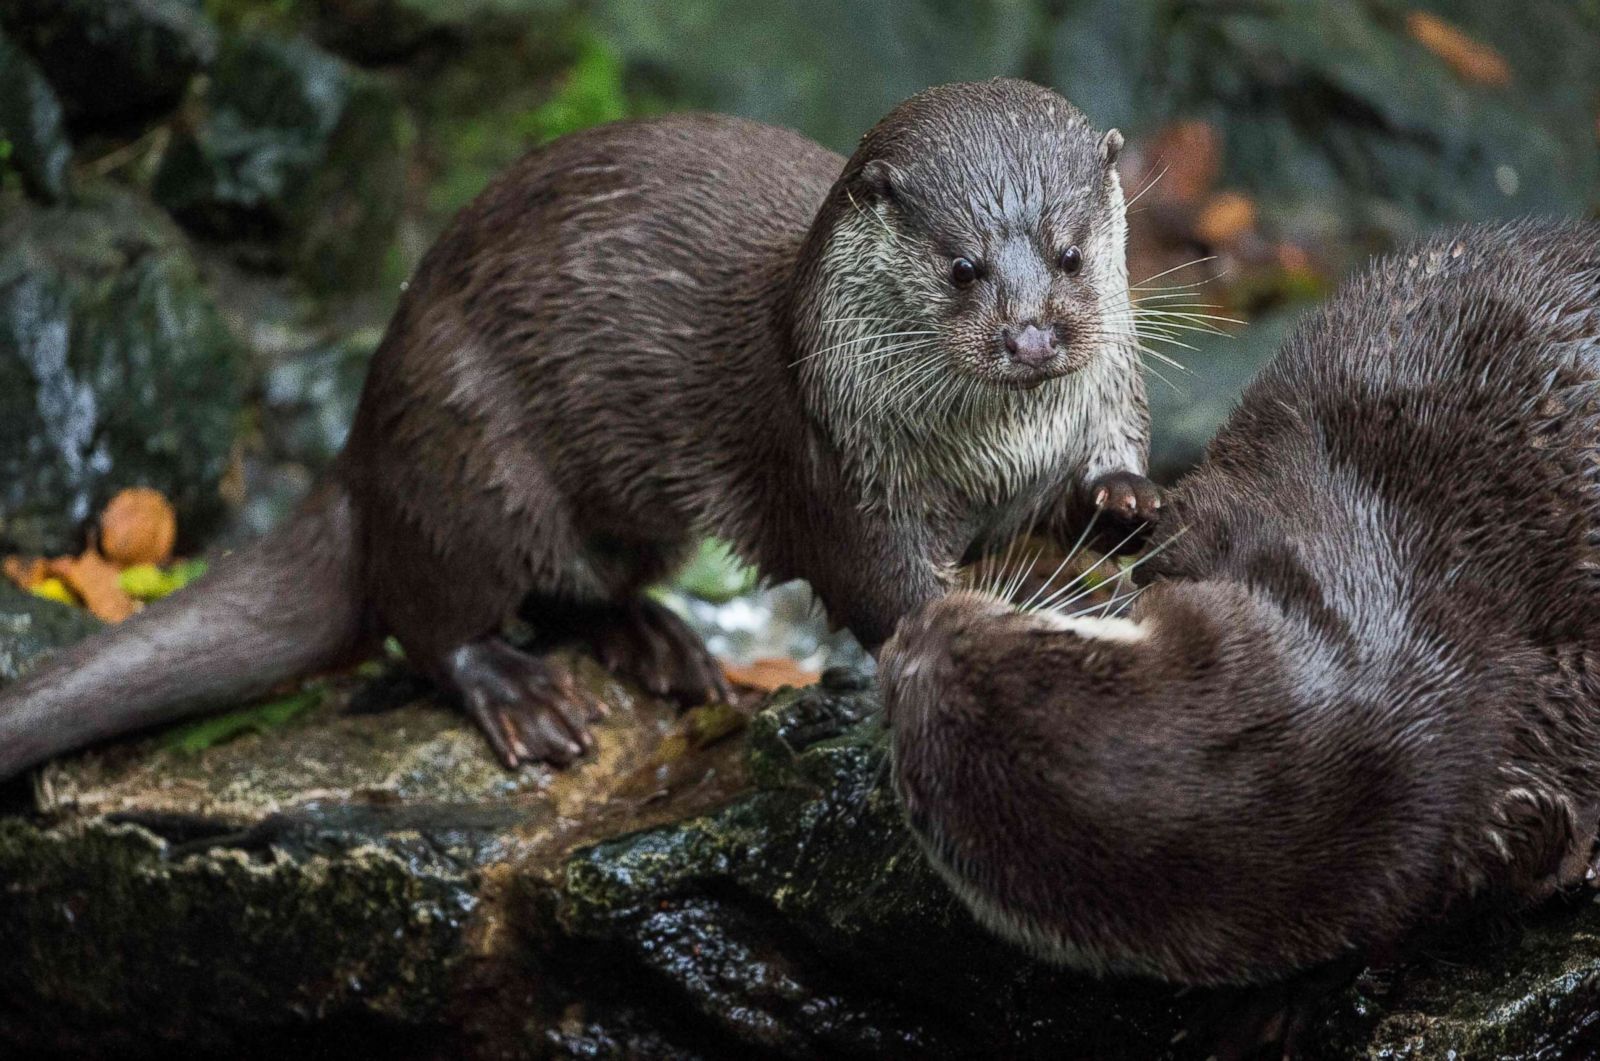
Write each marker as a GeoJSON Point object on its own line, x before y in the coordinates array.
{"type": "Point", "coordinates": [208, 208]}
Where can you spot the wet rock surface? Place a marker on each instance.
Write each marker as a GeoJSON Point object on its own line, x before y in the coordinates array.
{"type": "Point", "coordinates": [31, 123]}
{"type": "Point", "coordinates": [113, 61]}
{"type": "Point", "coordinates": [367, 874]}
{"type": "Point", "coordinates": [294, 148]}
{"type": "Point", "coordinates": [115, 370]}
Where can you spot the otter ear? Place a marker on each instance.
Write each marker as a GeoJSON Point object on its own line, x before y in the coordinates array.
{"type": "Point", "coordinates": [1110, 147]}
{"type": "Point", "coordinates": [877, 179]}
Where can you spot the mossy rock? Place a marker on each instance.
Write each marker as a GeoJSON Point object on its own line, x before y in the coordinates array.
{"type": "Point", "coordinates": [30, 627]}
{"type": "Point", "coordinates": [294, 149]}
{"type": "Point", "coordinates": [115, 370]}
{"type": "Point", "coordinates": [368, 877]}
{"type": "Point", "coordinates": [113, 61]}
{"type": "Point", "coordinates": [31, 128]}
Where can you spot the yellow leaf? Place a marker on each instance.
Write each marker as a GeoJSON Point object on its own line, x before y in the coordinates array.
{"type": "Point", "coordinates": [54, 589]}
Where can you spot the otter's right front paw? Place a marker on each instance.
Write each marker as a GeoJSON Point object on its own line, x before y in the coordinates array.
{"type": "Point", "coordinates": [1128, 496]}
{"type": "Point", "coordinates": [529, 711]}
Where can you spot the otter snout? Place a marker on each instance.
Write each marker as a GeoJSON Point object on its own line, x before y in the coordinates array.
{"type": "Point", "coordinates": [1030, 344]}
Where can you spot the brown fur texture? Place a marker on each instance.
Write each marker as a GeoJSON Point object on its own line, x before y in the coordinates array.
{"type": "Point", "coordinates": [650, 331]}
{"type": "Point", "coordinates": [1362, 692]}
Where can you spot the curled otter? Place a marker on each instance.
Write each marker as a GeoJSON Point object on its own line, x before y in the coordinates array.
{"type": "Point", "coordinates": [856, 372]}
{"type": "Point", "coordinates": [1360, 694]}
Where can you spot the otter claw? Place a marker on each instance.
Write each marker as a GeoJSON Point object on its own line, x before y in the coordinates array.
{"type": "Point", "coordinates": [528, 713]}
{"type": "Point", "coordinates": [1128, 496]}
{"type": "Point", "coordinates": [645, 642]}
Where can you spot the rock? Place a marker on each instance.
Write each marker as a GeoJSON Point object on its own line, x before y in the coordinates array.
{"type": "Point", "coordinates": [115, 371]}
{"type": "Point", "coordinates": [113, 61]}
{"type": "Point", "coordinates": [309, 400]}
{"type": "Point", "coordinates": [375, 832]}
{"type": "Point", "coordinates": [31, 627]}
{"type": "Point", "coordinates": [768, 901]}
{"type": "Point", "coordinates": [296, 149]}
{"type": "Point", "coordinates": [31, 124]}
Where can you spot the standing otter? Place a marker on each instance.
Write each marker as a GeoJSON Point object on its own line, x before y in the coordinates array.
{"type": "Point", "coordinates": [657, 329]}
{"type": "Point", "coordinates": [1361, 693]}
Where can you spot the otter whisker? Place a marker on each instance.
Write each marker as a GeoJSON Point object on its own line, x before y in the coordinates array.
{"type": "Point", "coordinates": [1168, 272]}
{"type": "Point", "coordinates": [1149, 184]}
{"type": "Point", "coordinates": [863, 339]}
{"type": "Point", "coordinates": [1053, 601]}
{"type": "Point", "coordinates": [1072, 553]}
{"type": "Point", "coordinates": [890, 398]}
{"type": "Point", "coordinates": [1128, 571]}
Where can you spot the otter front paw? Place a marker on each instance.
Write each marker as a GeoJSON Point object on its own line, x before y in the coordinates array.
{"type": "Point", "coordinates": [1127, 496]}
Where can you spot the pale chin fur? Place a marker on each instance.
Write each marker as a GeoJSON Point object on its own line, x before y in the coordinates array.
{"type": "Point", "coordinates": [910, 428]}
{"type": "Point", "coordinates": [1096, 628]}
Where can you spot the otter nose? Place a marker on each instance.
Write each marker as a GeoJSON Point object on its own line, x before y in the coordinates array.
{"type": "Point", "coordinates": [1032, 345]}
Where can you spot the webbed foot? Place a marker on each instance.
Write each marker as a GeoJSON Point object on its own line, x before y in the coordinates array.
{"type": "Point", "coordinates": [530, 711]}
{"type": "Point", "coordinates": [647, 643]}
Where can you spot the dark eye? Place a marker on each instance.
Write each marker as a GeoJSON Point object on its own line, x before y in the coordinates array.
{"type": "Point", "coordinates": [1071, 260]}
{"type": "Point", "coordinates": [963, 272]}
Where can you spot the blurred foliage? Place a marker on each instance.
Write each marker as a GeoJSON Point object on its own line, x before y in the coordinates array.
{"type": "Point", "coordinates": [715, 573]}
{"type": "Point", "coordinates": [196, 737]}
{"type": "Point", "coordinates": [473, 143]}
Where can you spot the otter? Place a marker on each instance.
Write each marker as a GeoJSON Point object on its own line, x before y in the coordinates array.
{"type": "Point", "coordinates": [857, 372]}
{"type": "Point", "coordinates": [1358, 695]}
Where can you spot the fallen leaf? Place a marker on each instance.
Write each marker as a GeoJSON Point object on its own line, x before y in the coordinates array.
{"type": "Point", "coordinates": [1226, 217]}
{"type": "Point", "coordinates": [95, 580]}
{"type": "Point", "coordinates": [1471, 60]}
{"type": "Point", "coordinates": [769, 674]}
{"type": "Point", "coordinates": [147, 582]}
{"type": "Point", "coordinates": [138, 527]}
{"type": "Point", "coordinates": [26, 571]}
{"type": "Point", "coordinates": [56, 590]}
{"type": "Point", "coordinates": [263, 718]}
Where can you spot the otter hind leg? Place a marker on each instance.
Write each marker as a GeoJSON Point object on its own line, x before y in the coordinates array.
{"type": "Point", "coordinates": [645, 642]}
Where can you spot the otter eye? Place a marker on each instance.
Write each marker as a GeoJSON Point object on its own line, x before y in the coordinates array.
{"type": "Point", "coordinates": [963, 272]}
{"type": "Point", "coordinates": [1071, 260]}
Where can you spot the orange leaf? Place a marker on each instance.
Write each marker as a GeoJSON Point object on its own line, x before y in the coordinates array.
{"type": "Point", "coordinates": [1225, 218]}
{"type": "Point", "coordinates": [26, 571]}
{"type": "Point", "coordinates": [94, 580]}
{"type": "Point", "coordinates": [1471, 60]}
{"type": "Point", "coordinates": [138, 527]}
{"type": "Point", "coordinates": [769, 674]}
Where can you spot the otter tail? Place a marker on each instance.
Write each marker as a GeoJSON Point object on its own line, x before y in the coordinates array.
{"type": "Point", "coordinates": [290, 605]}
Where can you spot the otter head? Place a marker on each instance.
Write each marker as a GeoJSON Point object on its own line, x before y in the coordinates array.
{"type": "Point", "coordinates": [978, 230]}
{"type": "Point", "coordinates": [1156, 796]}
{"type": "Point", "coordinates": [997, 718]}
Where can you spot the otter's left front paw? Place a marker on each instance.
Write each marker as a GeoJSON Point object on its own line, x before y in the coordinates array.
{"type": "Point", "coordinates": [1128, 496]}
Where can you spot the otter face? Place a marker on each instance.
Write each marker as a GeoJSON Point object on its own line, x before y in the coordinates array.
{"type": "Point", "coordinates": [999, 220]}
